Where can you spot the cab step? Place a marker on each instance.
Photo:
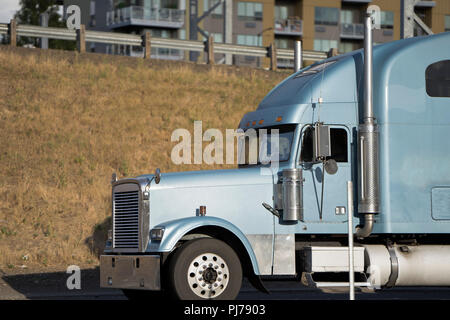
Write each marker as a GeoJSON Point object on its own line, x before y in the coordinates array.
{"type": "Point", "coordinates": [328, 267]}
{"type": "Point", "coordinates": [307, 280]}
{"type": "Point", "coordinates": [341, 284]}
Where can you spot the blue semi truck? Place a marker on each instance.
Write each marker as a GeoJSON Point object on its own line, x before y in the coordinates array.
{"type": "Point", "coordinates": [379, 118]}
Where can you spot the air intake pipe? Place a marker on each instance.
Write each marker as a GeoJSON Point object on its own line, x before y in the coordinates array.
{"type": "Point", "coordinates": [368, 161]}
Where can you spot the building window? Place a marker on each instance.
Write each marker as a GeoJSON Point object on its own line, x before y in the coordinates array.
{"type": "Point", "coordinates": [169, 4]}
{"type": "Point", "coordinates": [327, 16]}
{"type": "Point", "coordinates": [324, 45]}
{"type": "Point", "coordinates": [217, 37]}
{"type": "Point", "coordinates": [207, 4]}
{"type": "Point", "coordinates": [281, 12]}
{"type": "Point", "coordinates": [182, 34]}
{"type": "Point", "coordinates": [447, 23]}
{"type": "Point", "coordinates": [437, 79]}
{"type": "Point", "coordinates": [92, 21]}
{"type": "Point", "coordinates": [250, 10]}
{"type": "Point", "coordinates": [249, 40]}
{"type": "Point", "coordinates": [92, 8]}
{"type": "Point", "coordinates": [283, 43]}
{"type": "Point", "coordinates": [387, 19]}
{"type": "Point", "coordinates": [346, 16]}
{"type": "Point", "coordinates": [345, 47]}
{"type": "Point", "coordinates": [147, 3]}
{"type": "Point", "coordinates": [162, 33]}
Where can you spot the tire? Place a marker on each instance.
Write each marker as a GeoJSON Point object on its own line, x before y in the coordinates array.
{"type": "Point", "coordinates": [140, 295]}
{"type": "Point", "coordinates": [205, 269]}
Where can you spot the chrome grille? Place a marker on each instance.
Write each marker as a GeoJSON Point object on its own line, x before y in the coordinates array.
{"type": "Point", "coordinates": [126, 217]}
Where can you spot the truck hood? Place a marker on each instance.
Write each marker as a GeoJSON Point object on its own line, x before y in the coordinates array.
{"type": "Point", "coordinates": [211, 178]}
{"type": "Point", "coordinates": [235, 195]}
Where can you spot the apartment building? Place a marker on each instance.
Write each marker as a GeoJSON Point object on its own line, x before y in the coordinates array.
{"type": "Point", "coordinates": [326, 24]}
{"type": "Point", "coordinates": [162, 18]}
{"type": "Point", "coordinates": [319, 24]}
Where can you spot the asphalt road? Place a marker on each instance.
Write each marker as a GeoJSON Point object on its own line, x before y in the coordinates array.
{"type": "Point", "coordinates": [20, 285]}
{"type": "Point", "coordinates": [281, 291]}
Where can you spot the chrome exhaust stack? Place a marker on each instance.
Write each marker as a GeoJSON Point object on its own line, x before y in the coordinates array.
{"type": "Point", "coordinates": [368, 144]}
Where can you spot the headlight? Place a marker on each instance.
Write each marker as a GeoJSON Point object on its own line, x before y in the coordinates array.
{"type": "Point", "coordinates": [156, 234]}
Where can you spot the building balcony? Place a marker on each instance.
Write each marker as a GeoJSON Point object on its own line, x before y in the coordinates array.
{"type": "Point", "coordinates": [352, 31]}
{"type": "Point", "coordinates": [426, 4]}
{"type": "Point", "coordinates": [289, 27]}
{"type": "Point", "coordinates": [145, 17]}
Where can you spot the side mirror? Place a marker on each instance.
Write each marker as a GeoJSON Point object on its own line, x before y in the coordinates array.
{"type": "Point", "coordinates": [157, 175]}
{"type": "Point", "coordinates": [331, 166]}
{"type": "Point", "coordinates": [321, 142]}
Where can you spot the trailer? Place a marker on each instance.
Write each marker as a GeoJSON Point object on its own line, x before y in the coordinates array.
{"type": "Point", "coordinates": [377, 117]}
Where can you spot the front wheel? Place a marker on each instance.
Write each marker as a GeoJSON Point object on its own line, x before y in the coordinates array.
{"type": "Point", "coordinates": [205, 269]}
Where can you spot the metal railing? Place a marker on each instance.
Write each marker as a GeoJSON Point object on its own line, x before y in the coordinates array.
{"type": "Point", "coordinates": [137, 14]}
{"type": "Point", "coordinates": [146, 42]}
{"type": "Point", "coordinates": [288, 27]}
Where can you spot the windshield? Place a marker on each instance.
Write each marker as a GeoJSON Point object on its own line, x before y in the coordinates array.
{"type": "Point", "coordinates": [260, 146]}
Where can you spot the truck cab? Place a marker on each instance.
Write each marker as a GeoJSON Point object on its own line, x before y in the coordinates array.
{"type": "Point", "coordinates": [197, 234]}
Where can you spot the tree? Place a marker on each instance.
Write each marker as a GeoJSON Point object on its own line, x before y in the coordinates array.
{"type": "Point", "coordinates": [30, 12]}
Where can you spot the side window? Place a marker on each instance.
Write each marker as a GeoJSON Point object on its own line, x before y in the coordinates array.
{"type": "Point", "coordinates": [437, 79]}
{"type": "Point", "coordinates": [306, 154]}
{"type": "Point", "coordinates": [339, 145]}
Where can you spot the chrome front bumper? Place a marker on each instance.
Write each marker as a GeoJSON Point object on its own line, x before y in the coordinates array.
{"type": "Point", "coordinates": [130, 272]}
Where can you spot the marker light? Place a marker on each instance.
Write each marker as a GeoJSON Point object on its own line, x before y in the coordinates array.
{"type": "Point", "coordinates": [156, 234]}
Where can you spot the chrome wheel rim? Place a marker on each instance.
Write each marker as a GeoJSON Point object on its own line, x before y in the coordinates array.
{"type": "Point", "coordinates": [208, 275]}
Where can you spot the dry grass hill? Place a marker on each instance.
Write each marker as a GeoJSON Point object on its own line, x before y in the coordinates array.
{"type": "Point", "coordinates": [68, 121]}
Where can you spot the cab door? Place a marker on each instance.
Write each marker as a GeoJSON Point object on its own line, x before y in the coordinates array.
{"type": "Point", "coordinates": [325, 193]}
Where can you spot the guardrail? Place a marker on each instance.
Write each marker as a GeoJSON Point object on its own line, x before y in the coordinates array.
{"type": "Point", "coordinates": [209, 47]}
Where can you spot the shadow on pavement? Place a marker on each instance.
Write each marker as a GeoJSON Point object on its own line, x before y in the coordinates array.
{"type": "Point", "coordinates": [53, 285]}
{"type": "Point", "coordinates": [48, 283]}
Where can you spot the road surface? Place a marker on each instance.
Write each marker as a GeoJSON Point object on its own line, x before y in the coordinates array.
{"type": "Point", "coordinates": [19, 285]}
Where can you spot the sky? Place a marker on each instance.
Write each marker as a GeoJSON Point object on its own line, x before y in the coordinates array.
{"type": "Point", "coordinates": [7, 10]}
